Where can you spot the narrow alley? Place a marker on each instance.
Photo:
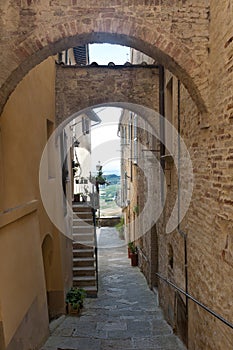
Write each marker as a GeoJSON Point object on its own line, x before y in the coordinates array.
{"type": "Point", "coordinates": [125, 315]}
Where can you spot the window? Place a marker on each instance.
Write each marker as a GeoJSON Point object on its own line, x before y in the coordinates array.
{"type": "Point", "coordinates": [135, 139]}
{"type": "Point", "coordinates": [123, 135]}
{"type": "Point", "coordinates": [169, 116]}
{"type": "Point", "coordinates": [130, 126]}
{"type": "Point", "coordinates": [130, 129]}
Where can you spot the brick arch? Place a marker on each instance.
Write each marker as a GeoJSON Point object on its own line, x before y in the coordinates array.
{"type": "Point", "coordinates": [156, 42]}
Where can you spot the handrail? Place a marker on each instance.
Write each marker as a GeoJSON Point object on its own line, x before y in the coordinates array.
{"type": "Point", "coordinates": [143, 255]}
{"type": "Point", "coordinates": [213, 313]}
{"type": "Point", "coordinates": [96, 248]}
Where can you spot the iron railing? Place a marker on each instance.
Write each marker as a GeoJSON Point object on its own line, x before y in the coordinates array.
{"type": "Point", "coordinates": [96, 248]}
{"type": "Point", "coordinates": [206, 308]}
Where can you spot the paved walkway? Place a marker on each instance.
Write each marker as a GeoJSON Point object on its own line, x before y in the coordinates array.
{"type": "Point", "coordinates": [124, 316]}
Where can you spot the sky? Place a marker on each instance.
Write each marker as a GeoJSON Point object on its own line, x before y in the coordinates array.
{"type": "Point", "coordinates": [104, 139]}
{"type": "Point", "coordinates": [105, 143]}
{"type": "Point", "coordinates": [105, 53]}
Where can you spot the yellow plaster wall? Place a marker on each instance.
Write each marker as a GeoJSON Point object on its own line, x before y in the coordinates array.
{"type": "Point", "coordinates": [23, 220]}
{"type": "Point", "coordinates": [23, 134]}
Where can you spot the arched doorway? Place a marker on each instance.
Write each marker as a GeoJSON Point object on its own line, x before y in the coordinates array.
{"type": "Point", "coordinates": [47, 253]}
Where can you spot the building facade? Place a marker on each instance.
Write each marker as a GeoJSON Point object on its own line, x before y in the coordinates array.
{"type": "Point", "coordinates": [36, 260]}
{"type": "Point", "coordinates": [193, 41]}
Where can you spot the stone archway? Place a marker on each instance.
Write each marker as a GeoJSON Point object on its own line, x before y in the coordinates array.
{"type": "Point", "coordinates": [48, 28]}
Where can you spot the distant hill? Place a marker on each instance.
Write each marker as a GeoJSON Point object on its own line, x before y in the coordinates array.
{"type": "Point", "coordinates": [108, 195]}
{"type": "Point", "coordinates": [113, 179]}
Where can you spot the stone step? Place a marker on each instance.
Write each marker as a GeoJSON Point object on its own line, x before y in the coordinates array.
{"type": "Point", "coordinates": [83, 244]}
{"type": "Point", "coordinates": [91, 292]}
{"type": "Point", "coordinates": [84, 271]}
{"type": "Point", "coordinates": [83, 253]}
{"type": "Point", "coordinates": [82, 220]}
{"type": "Point", "coordinates": [83, 262]}
{"type": "Point", "coordinates": [87, 212]}
{"type": "Point", "coordinates": [83, 237]}
{"type": "Point", "coordinates": [83, 229]}
{"type": "Point", "coordinates": [77, 213]}
{"type": "Point", "coordinates": [81, 208]}
{"type": "Point", "coordinates": [83, 223]}
{"type": "Point", "coordinates": [85, 281]}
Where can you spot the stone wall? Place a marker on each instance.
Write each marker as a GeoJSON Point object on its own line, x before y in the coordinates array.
{"type": "Point", "coordinates": [141, 202]}
{"type": "Point", "coordinates": [209, 220]}
{"type": "Point", "coordinates": [211, 225]}
{"type": "Point", "coordinates": [79, 88]}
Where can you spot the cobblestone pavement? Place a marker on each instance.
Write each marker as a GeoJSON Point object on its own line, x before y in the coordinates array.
{"type": "Point", "coordinates": [124, 316]}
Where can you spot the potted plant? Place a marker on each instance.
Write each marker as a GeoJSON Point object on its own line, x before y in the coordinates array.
{"type": "Point", "coordinates": [74, 300]}
{"type": "Point", "coordinates": [133, 253]}
{"type": "Point", "coordinates": [100, 179]}
{"type": "Point", "coordinates": [130, 247]}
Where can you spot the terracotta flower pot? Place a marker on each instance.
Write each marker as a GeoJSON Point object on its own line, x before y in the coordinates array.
{"type": "Point", "coordinates": [134, 259]}
{"type": "Point", "coordinates": [73, 311]}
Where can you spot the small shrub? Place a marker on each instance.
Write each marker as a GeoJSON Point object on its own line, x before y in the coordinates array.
{"type": "Point", "coordinates": [75, 297]}
{"type": "Point", "coordinates": [132, 247]}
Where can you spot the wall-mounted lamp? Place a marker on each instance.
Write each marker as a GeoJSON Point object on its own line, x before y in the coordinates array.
{"type": "Point", "coordinates": [98, 166]}
{"type": "Point", "coordinates": [76, 143]}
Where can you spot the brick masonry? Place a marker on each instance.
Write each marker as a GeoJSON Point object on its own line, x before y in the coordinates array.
{"type": "Point", "coordinates": [175, 33]}
{"type": "Point", "coordinates": [209, 220]}
{"type": "Point", "coordinates": [79, 88]}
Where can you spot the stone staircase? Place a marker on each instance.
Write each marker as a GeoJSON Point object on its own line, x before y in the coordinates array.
{"type": "Point", "coordinates": [84, 252]}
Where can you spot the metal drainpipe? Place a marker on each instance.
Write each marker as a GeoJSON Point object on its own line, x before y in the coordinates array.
{"type": "Point", "coordinates": [183, 234]}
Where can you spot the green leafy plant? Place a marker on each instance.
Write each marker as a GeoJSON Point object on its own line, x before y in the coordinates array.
{"type": "Point", "coordinates": [100, 179]}
{"type": "Point", "coordinates": [75, 297]}
{"type": "Point", "coordinates": [132, 248]}
{"type": "Point", "coordinates": [136, 209]}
